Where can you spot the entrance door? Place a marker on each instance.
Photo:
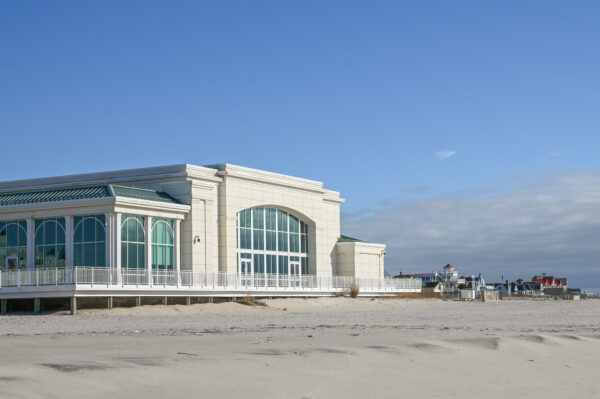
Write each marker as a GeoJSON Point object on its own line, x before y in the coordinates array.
{"type": "Point", "coordinates": [295, 273]}
{"type": "Point", "coordinates": [12, 263]}
{"type": "Point", "coordinates": [246, 271]}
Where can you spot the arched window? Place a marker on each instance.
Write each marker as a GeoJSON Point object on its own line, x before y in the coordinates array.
{"type": "Point", "coordinates": [13, 245]}
{"type": "Point", "coordinates": [271, 241]}
{"type": "Point", "coordinates": [133, 242]}
{"type": "Point", "coordinates": [89, 241]}
{"type": "Point", "coordinates": [50, 243]}
{"type": "Point", "coordinates": [162, 244]}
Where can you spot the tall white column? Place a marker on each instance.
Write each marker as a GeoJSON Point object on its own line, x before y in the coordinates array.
{"type": "Point", "coordinates": [148, 232]}
{"type": "Point", "coordinates": [116, 253]}
{"type": "Point", "coordinates": [69, 241]}
{"type": "Point", "coordinates": [30, 244]}
{"type": "Point", "coordinates": [108, 244]}
{"type": "Point", "coordinates": [177, 251]}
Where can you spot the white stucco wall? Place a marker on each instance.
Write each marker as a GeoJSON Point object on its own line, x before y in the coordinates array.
{"type": "Point", "coordinates": [360, 259]}
{"type": "Point", "coordinates": [243, 188]}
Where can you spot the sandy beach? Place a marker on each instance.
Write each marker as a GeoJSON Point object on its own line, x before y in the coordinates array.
{"type": "Point", "coordinates": [316, 348]}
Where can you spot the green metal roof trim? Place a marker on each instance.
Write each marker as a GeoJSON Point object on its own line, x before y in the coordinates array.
{"type": "Point", "coordinates": [348, 239]}
{"type": "Point", "coordinates": [80, 193]}
{"type": "Point", "coordinates": [64, 194]}
{"type": "Point", "coordinates": [143, 194]}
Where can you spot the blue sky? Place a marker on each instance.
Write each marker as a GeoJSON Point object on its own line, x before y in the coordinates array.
{"type": "Point", "coordinates": [395, 104]}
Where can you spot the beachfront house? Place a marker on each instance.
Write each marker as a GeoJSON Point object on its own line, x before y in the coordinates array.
{"type": "Point", "coordinates": [434, 287]}
{"type": "Point", "coordinates": [181, 230]}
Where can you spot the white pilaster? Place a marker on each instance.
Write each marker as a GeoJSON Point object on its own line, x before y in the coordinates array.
{"type": "Point", "coordinates": [69, 241]}
{"type": "Point", "coordinates": [116, 253]}
{"type": "Point", "coordinates": [108, 244]}
{"type": "Point", "coordinates": [30, 244]}
{"type": "Point", "coordinates": [148, 232]}
{"type": "Point", "coordinates": [177, 251]}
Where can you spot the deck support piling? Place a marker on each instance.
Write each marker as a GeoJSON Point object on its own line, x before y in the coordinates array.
{"type": "Point", "coordinates": [188, 300]}
{"type": "Point", "coordinates": [36, 305]}
{"type": "Point", "coordinates": [110, 302]}
{"type": "Point", "coordinates": [165, 301]}
{"type": "Point", "coordinates": [138, 301]}
{"type": "Point", "coordinates": [73, 305]}
{"type": "Point", "coordinates": [4, 306]}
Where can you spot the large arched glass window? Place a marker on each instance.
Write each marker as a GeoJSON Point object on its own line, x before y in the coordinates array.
{"type": "Point", "coordinates": [271, 241]}
{"type": "Point", "coordinates": [133, 242]}
{"type": "Point", "coordinates": [13, 245]}
{"type": "Point", "coordinates": [162, 244]}
{"type": "Point", "coordinates": [50, 243]}
{"type": "Point", "coordinates": [89, 241]}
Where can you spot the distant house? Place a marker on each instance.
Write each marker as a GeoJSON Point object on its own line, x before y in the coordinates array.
{"type": "Point", "coordinates": [549, 281]}
{"type": "Point", "coordinates": [434, 287]}
{"type": "Point", "coordinates": [448, 276]}
{"type": "Point", "coordinates": [529, 288]}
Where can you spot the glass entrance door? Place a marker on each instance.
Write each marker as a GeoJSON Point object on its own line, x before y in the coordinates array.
{"type": "Point", "coordinates": [11, 263]}
{"type": "Point", "coordinates": [295, 273]}
{"type": "Point", "coordinates": [245, 269]}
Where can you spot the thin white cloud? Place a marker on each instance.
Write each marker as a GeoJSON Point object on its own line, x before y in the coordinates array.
{"type": "Point", "coordinates": [552, 227]}
{"type": "Point", "coordinates": [557, 154]}
{"type": "Point", "coordinates": [444, 154]}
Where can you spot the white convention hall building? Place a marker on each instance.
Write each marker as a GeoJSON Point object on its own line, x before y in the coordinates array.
{"type": "Point", "coordinates": [181, 230]}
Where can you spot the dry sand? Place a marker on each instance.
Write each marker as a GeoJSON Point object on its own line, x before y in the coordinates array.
{"type": "Point", "coordinates": [316, 348]}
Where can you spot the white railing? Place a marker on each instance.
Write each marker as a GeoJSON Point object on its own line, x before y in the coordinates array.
{"type": "Point", "coordinates": [102, 276]}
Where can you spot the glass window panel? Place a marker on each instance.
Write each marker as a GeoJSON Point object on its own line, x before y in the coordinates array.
{"type": "Point", "coordinates": [259, 263]}
{"type": "Point", "coordinates": [294, 224]}
{"type": "Point", "coordinates": [100, 255]}
{"type": "Point", "coordinates": [259, 239]}
{"type": "Point", "coordinates": [124, 256]}
{"type": "Point", "coordinates": [271, 221]}
{"type": "Point", "coordinates": [39, 234]}
{"type": "Point", "coordinates": [169, 257]}
{"type": "Point", "coordinates": [50, 256]}
{"type": "Point", "coordinates": [22, 234]}
{"type": "Point", "coordinates": [78, 254]}
{"type": "Point", "coordinates": [60, 234]}
{"type": "Point", "coordinates": [304, 262]}
{"type": "Point", "coordinates": [49, 233]}
{"type": "Point", "coordinates": [283, 241]}
{"type": "Point", "coordinates": [140, 229]}
{"type": "Point", "coordinates": [89, 254]}
{"type": "Point", "coordinates": [100, 231]}
{"type": "Point", "coordinates": [22, 258]}
{"type": "Point", "coordinates": [12, 251]}
{"type": "Point", "coordinates": [294, 244]}
{"type": "Point", "coordinates": [283, 264]}
{"type": "Point", "coordinates": [3, 236]}
{"type": "Point", "coordinates": [140, 256]}
{"type": "Point", "coordinates": [131, 230]}
{"type": "Point", "coordinates": [124, 231]}
{"type": "Point", "coordinates": [258, 218]}
{"type": "Point", "coordinates": [61, 222]}
{"type": "Point", "coordinates": [169, 232]}
{"type": "Point", "coordinates": [61, 256]}
{"type": "Point", "coordinates": [12, 237]}
{"type": "Point", "coordinates": [131, 256]}
{"type": "Point", "coordinates": [154, 257]}
{"type": "Point", "coordinates": [39, 256]}
{"type": "Point", "coordinates": [160, 255]}
{"type": "Point", "coordinates": [78, 233]}
{"type": "Point", "coordinates": [161, 232]}
{"type": "Point", "coordinates": [2, 258]}
{"type": "Point", "coordinates": [282, 221]}
{"type": "Point", "coordinates": [89, 229]}
{"type": "Point", "coordinates": [304, 244]}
